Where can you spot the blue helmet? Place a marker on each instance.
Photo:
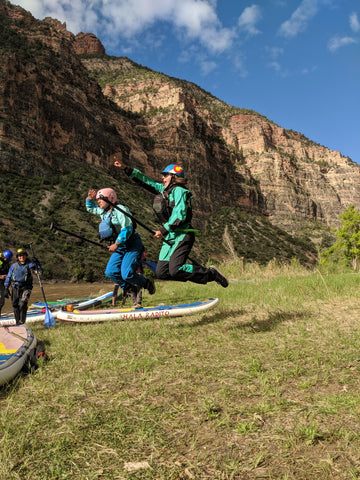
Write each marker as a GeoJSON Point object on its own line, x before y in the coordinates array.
{"type": "Point", "coordinates": [8, 255]}
{"type": "Point", "coordinates": [174, 170]}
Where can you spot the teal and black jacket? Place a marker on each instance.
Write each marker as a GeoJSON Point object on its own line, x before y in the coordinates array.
{"type": "Point", "coordinates": [172, 206]}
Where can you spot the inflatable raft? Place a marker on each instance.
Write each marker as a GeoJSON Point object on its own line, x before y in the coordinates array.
{"type": "Point", "coordinates": [16, 343]}
{"type": "Point", "coordinates": [90, 316]}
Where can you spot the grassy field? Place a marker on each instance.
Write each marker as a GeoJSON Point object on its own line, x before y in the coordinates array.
{"type": "Point", "coordinates": [266, 385]}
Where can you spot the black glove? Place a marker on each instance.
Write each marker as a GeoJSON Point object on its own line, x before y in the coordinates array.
{"type": "Point", "coordinates": [37, 264]}
{"type": "Point", "coordinates": [6, 292]}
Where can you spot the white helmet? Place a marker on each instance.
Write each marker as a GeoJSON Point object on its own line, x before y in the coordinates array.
{"type": "Point", "coordinates": [108, 193]}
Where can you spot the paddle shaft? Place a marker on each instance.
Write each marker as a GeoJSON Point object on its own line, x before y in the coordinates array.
{"type": "Point", "coordinates": [38, 276]}
{"type": "Point", "coordinates": [53, 227]}
{"type": "Point", "coordinates": [140, 223]}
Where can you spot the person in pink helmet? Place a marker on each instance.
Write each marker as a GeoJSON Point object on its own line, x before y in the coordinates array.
{"type": "Point", "coordinates": [124, 242]}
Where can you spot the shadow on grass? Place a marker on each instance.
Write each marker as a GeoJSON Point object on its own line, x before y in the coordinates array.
{"type": "Point", "coordinates": [269, 323]}
{"type": "Point", "coordinates": [207, 319]}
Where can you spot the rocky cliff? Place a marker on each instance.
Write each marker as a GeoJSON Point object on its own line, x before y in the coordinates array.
{"type": "Point", "coordinates": [65, 105]}
{"type": "Point", "coordinates": [296, 178]}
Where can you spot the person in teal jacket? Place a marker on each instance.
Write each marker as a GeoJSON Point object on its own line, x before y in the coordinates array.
{"type": "Point", "coordinates": [172, 205]}
{"type": "Point", "coordinates": [123, 240]}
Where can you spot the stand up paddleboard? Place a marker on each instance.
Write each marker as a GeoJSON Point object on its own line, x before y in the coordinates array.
{"type": "Point", "coordinates": [16, 343]}
{"type": "Point", "coordinates": [89, 316]}
{"type": "Point", "coordinates": [36, 312]}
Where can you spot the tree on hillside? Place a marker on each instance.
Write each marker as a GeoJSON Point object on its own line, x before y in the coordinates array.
{"type": "Point", "coordinates": [347, 248]}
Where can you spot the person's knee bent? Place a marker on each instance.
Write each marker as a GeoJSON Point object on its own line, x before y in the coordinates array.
{"type": "Point", "coordinates": [127, 275]}
{"type": "Point", "coordinates": [162, 272]}
{"type": "Point", "coordinates": [110, 274]}
{"type": "Point", "coordinates": [173, 270]}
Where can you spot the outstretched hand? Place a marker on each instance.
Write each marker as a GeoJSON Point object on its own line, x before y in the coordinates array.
{"type": "Point", "coordinates": [119, 163]}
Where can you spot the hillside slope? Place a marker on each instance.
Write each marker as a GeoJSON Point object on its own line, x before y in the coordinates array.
{"type": "Point", "coordinates": [260, 191]}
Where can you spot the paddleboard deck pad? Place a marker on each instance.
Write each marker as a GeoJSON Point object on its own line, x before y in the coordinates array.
{"type": "Point", "coordinates": [89, 316]}
{"type": "Point", "coordinates": [16, 343]}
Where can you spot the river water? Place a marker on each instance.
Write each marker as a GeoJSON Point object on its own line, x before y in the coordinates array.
{"type": "Point", "coordinates": [58, 291]}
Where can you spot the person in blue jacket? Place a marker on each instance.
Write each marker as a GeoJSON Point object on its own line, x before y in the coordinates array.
{"type": "Point", "coordinates": [20, 279]}
{"type": "Point", "coordinates": [124, 241]}
{"type": "Point", "coordinates": [172, 205]}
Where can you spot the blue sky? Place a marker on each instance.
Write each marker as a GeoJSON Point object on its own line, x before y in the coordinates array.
{"type": "Point", "coordinates": [295, 61]}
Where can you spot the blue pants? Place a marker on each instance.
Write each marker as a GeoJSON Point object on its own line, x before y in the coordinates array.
{"type": "Point", "coordinates": [123, 263]}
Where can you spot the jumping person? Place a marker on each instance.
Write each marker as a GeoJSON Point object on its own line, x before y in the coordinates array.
{"type": "Point", "coordinates": [5, 261]}
{"type": "Point", "coordinates": [172, 205]}
{"type": "Point", "coordinates": [126, 245]}
{"type": "Point", "coordinates": [20, 279]}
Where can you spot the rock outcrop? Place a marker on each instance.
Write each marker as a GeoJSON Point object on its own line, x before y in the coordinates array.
{"type": "Point", "coordinates": [88, 43]}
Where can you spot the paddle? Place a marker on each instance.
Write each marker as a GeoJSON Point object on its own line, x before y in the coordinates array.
{"type": "Point", "coordinates": [114, 205]}
{"type": "Point", "coordinates": [49, 320]}
{"type": "Point", "coordinates": [55, 227]}
{"type": "Point", "coordinates": [150, 265]}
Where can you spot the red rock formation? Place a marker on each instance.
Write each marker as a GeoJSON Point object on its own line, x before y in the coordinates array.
{"type": "Point", "coordinates": [88, 43]}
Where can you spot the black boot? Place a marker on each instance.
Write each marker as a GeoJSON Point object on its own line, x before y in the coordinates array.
{"type": "Point", "coordinates": [150, 286]}
{"type": "Point", "coordinates": [219, 277]}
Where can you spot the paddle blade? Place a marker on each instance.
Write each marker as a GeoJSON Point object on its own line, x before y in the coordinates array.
{"type": "Point", "coordinates": [151, 265]}
{"type": "Point", "coordinates": [49, 320]}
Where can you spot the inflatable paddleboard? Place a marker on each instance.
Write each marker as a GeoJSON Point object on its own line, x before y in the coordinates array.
{"type": "Point", "coordinates": [36, 312]}
{"type": "Point", "coordinates": [89, 316]}
{"type": "Point", "coordinates": [16, 343]}
{"type": "Point", "coordinates": [81, 304]}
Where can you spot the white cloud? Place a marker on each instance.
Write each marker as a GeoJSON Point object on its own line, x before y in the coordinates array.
{"type": "Point", "coordinates": [274, 52]}
{"type": "Point", "coordinates": [337, 42]}
{"type": "Point", "coordinates": [307, 71]}
{"type": "Point", "coordinates": [114, 19]}
{"type": "Point", "coordinates": [354, 22]}
{"type": "Point", "coordinates": [197, 56]}
{"type": "Point", "coordinates": [207, 67]}
{"type": "Point", "coordinates": [275, 66]}
{"type": "Point", "coordinates": [249, 18]}
{"type": "Point", "coordinates": [299, 19]}
{"type": "Point", "coordinates": [239, 64]}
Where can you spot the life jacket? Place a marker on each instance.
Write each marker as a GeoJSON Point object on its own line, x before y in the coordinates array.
{"type": "Point", "coordinates": [108, 231]}
{"type": "Point", "coordinates": [21, 275]}
{"type": "Point", "coordinates": [163, 207]}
